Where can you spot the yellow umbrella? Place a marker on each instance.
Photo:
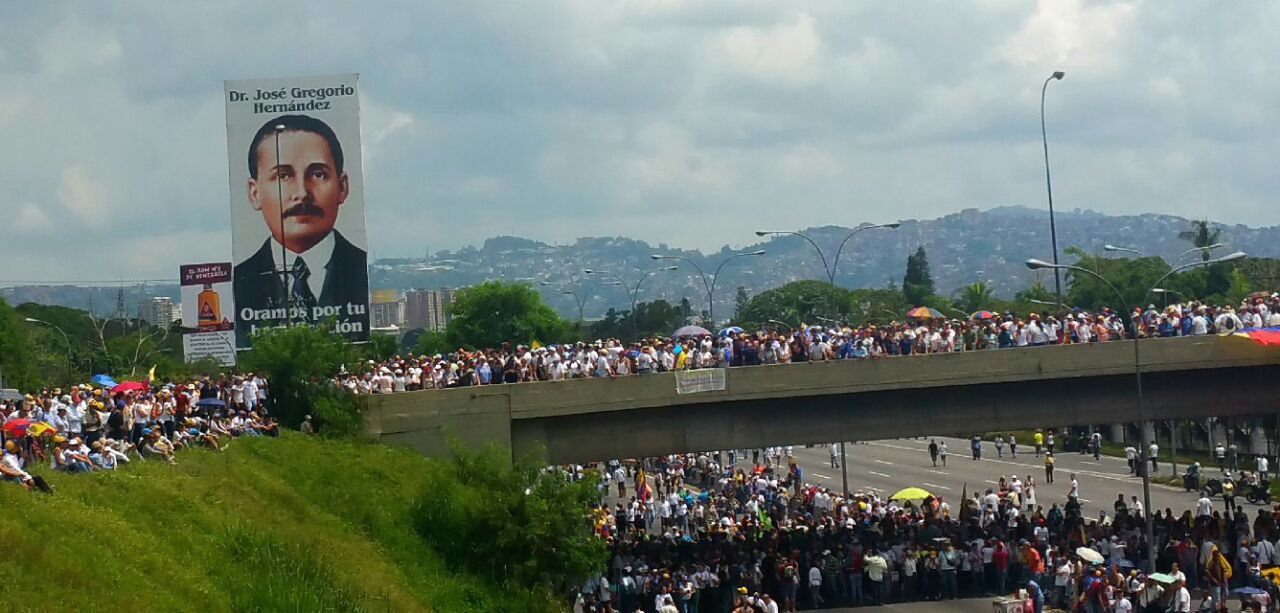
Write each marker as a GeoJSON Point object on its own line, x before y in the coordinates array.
{"type": "Point", "coordinates": [39, 428]}
{"type": "Point", "coordinates": [911, 493]}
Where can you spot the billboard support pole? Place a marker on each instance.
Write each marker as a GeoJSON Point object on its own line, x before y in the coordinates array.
{"type": "Point", "coordinates": [284, 254]}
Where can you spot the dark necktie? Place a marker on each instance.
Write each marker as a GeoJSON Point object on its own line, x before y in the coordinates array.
{"type": "Point", "coordinates": [301, 290]}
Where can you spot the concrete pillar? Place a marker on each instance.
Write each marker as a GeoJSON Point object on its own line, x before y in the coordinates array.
{"type": "Point", "coordinates": [1117, 433]}
{"type": "Point", "coordinates": [1258, 440]}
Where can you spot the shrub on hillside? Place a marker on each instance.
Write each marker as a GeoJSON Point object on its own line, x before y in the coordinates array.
{"type": "Point", "coordinates": [513, 523]}
{"type": "Point", "coordinates": [299, 363]}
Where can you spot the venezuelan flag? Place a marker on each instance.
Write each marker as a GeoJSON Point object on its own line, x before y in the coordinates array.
{"type": "Point", "coordinates": [642, 487]}
{"type": "Point", "coordinates": [1263, 336]}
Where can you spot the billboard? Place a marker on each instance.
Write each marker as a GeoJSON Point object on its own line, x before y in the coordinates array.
{"type": "Point", "coordinates": [208, 308]}
{"type": "Point", "coordinates": [297, 205]}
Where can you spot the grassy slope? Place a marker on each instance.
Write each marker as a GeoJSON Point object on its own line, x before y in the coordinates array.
{"type": "Point", "coordinates": [294, 524]}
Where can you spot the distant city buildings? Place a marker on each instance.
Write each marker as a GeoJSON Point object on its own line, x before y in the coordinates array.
{"type": "Point", "coordinates": [426, 308]}
{"type": "Point", "coordinates": [386, 310]}
{"type": "Point", "coordinates": [159, 311]}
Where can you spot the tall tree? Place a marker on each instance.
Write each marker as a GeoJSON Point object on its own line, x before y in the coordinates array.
{"type": "Point", "coordinates": [974, 296]}
{"type": "Point", "coordinates": [917, 284]}
{"type": "Point", "coordinates": [1201, 234]}
{"type": "Point", "coordinates": [740, 301]}
{"type": "Point", "coordinates": [18, 365]}
{"type": "Point", "coordinates": [495, 312]}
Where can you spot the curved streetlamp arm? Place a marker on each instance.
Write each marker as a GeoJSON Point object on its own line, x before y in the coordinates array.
{"type": "Point", "coordinates": [822, 256]}
{"type": "Point", "coordinates": [835, 262]}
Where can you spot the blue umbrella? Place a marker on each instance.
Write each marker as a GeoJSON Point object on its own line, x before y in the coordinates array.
{"type": "Point", "coordinates": [1247, 591]}
{"type": "Point", "coordinates": [731, 330]}
{"type": "Point", "coordinates": [211, 402]}
{"type": "Point", "coordinates": [103, 381]}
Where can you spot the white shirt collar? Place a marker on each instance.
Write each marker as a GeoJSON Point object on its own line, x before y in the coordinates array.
{"type": "Point", "coordinates": [317, 259]}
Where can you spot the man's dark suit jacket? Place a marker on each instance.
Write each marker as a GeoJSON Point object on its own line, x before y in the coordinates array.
{"type": "Point", "coordinates": [257, 285]}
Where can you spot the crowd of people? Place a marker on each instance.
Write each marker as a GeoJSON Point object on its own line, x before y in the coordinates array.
{"type": "Point", "coordinates": [729, 532]}
{"type": "Point", "coordinates": [733, 347]}
{"type": "Point", "coordinates": [88, 428]}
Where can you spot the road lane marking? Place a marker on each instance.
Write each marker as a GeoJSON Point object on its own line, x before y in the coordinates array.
{"type": "Point", "coordinates": [884, 462]}
{"type": "Point", "coordinates": [820, 476]}
{"type": "Point", "coordinates": [941, 487]}
{"type": "Point", "coordinates": [880, 474]}
{"type": "Point", "coordinates": [938, 472]}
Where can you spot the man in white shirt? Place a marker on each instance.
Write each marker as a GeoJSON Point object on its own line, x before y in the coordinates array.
{"type": "Point", "coordinates": [1181, 599]}
{"type": "Point", "coordinates": [1204, 506]}
{"type": "Point", "coordinates": [1154, 453]}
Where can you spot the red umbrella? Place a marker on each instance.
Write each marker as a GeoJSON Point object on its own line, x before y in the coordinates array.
{"type": "Point", "coordinates": [128, 386]}
{"type": "Point", "coordinates": [17, 427]}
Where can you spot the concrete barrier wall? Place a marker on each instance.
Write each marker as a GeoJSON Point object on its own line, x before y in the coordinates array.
{"type": "Point", "coordinates": [819, 402]}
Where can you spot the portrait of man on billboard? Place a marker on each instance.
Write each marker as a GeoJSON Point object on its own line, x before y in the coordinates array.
{"type": "Point", "coordinates": [299, 189]}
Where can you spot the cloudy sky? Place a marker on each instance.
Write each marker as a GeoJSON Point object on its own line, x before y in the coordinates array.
{"type": "Point", "coordinates": [690, 123]}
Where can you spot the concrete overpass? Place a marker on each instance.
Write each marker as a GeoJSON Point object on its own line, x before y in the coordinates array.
{"type": "Point", "coordinates": [943, 394]}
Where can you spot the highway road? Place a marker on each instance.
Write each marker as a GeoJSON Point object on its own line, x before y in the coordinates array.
{"type": "Point", "coordinates": [889, 465]}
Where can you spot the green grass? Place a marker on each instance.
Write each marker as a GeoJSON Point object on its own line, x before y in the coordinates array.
{"type": "Point", "coordinates": [292, 524]}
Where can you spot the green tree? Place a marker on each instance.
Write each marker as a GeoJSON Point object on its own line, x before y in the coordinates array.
{"type": "Point", "coordinates": [975, 296]}
{"type": "Point", "coordinates": [299, 363]}
{"type": "Point", "coordinates": [740, 301]}
{"type": "Point", "coordinates": [432, 343]}
{"type": "Point", "coordinates": [1202, 235]}
{"type": "Point", "coordinates": [1131, 276]}
{"type": "Point", "coordinates": [656, 318]}
{"type": "Point", "coordinates": [513, 523]}
{"type": "Point", "coordinates": [1239, 289]}
{"type": "Point", "coordinates": [18, 368]}
{"type": "Point", "coordinates": [917, 284]}
{"type": "Point", "coordinates": [795, 303]}
{"type": "Point", "coordinates": [495, 312]}
{"type": "Point", "coordinates": [381, 347]}
{"type": "Point", "coordinates": [876, 306]}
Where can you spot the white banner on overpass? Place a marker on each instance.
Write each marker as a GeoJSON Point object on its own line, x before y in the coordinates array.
{"type": "Point", "coordinates": [695, 381]}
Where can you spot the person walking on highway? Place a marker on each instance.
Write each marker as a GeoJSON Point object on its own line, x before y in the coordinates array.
{"type": "Point", "coordinates": [1039, 441]}
{"type": "Point", "coordinates": [1074, 492]}
{"type": "Point", "coordinates": [1049, 443]}
{"type": "Point", "coordinates": [999, 446]}
{"type": "Point", "coordinates": [835, 455]}
{"type": "Point", "coordinates": [1155, 452]}
{"type": "Point", "coordinates": [942, 453]}
{"type": "Point", "coordinates": [1048, 467]}
{"type": "Point", "coordinates": [977, 447]}
{"type": "Point", "coordinates": [1013, 445]}
{"type": "Point", "coordinates": [933, 452]}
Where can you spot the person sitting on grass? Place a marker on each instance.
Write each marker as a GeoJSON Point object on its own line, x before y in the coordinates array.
{"type": "Point", "coordinates": [11, 469]}
{"type": "Point", "coordinates": [154, 446]}
{"type": "Point", "coordinates": [103, 459]}
{"type": "Point", "coordinates": [78, 457]}
{"type": "Point", "coordinates": [208, 440]}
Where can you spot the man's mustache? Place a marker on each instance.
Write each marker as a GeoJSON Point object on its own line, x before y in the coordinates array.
{"type": "Point", "coordinates": [303, 209]}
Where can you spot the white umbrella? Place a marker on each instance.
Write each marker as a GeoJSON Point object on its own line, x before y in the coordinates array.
{"type": "Point", "coordinates": [1089, 555]}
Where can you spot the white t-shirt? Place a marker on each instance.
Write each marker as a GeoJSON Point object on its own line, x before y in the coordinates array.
{"type": "Point", "coordinates": [1122, 605]}
{"type": "Point", "coordinates": [1182, 601]}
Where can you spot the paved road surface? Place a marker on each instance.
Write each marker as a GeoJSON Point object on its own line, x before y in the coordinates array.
{"type": "Point", "coordinates": [887, 466]}
{"type": "Point", "coordinates": [971, 605]}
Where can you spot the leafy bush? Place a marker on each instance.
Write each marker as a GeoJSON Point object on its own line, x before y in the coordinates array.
{"type": "Point", "coordinates": [510, 523]}
{"type": "Point", "coordinates": [299, 363]}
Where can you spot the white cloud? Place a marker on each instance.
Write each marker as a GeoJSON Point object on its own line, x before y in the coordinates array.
{"type": "Point", "coordinates": [81, 196]}
{"type": "Point", "coordinates": [31, 218]}
{"type": "Point", "coordinates": [688, 123]}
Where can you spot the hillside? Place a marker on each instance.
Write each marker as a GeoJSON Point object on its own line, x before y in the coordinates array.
{"type": "Point", "coordinates": [966, 246]}
{"type": "Point", "coordinates": [294, 524]}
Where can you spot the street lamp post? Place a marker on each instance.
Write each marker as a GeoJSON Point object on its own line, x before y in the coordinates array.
{"type": "Point", "coordinates": [66, 338]}
{"type": "Point", "coordinates": [829, 269]}
{"type": "Point", "coordinates": [1048, 183]}
{"type": "Point", "coordinates": [1110, 247]}
{"type": "Point", "coordinates": [634, 293]}
{"type": "Point", "coordinates": [709, 282]}
{"type": "Point", "coordinates": [580, 301]}
{"type": "Point", "coordinates": [831, 278]}
{"type": "Point", "coordinates": [1126, 309]}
